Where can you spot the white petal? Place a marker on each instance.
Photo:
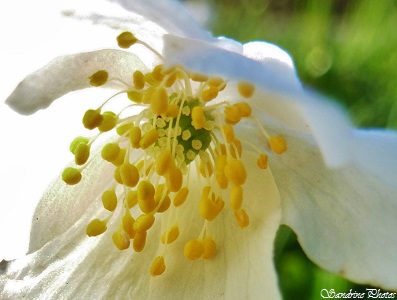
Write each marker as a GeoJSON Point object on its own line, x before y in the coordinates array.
{"type": "Point", "coordinates": [345, 218]}
{"type": "Point", "coordinates": [70, 73]}
{"type": "Point", "coordinates": [279, 95]}
{"type": "Point", "coordinates": [171, 15]}
{"type": "Point", "coordinates": [72, 265]}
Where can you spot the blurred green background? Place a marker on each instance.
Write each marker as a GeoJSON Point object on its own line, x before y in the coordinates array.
{"type": "Point", "coordinates": [347, 50]}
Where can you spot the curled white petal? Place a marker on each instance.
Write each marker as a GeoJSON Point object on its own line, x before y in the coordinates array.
{"type": "Point", "coordinates": [171, 15]}
{"type": "Point", "coordinates": [70, 73]}
{"type": "Point", "coordinates": [345, 218]}
{"type": "Point", "coordinates": [71, 265]}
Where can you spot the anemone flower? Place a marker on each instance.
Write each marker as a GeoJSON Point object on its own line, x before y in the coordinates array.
{"type": "Point", "coordinates": [190, 166]}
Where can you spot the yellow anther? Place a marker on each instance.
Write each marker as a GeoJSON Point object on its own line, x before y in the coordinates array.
{"type": "Point", "coordinates": [129, 174]}
{"type": "Point", "coordinates": [235, 172]}
{"type": "Point", "coordinates": [109, 200]}
{"type": "Point", "coordinates": [174, 179]}
{"type": "Point", "coordinates": [126, 40]}
{"type": "Point", "coordinates": [278, 144]}
{"type": "Point", "coordinates": [246, 89]}
{"type": "Point", "coordinates": [76, 142]}
{"type": "Point", "coordinates": [144, 222]}
{"type": "Point", "coordinates": [220, 176]}
{"type": "Point", "coordinates": [117, 175]}
{"type": "Point", "coordinates": [206, 169]}
{"type": "Point", "coordinates": [71, 176]}
{"type": "Point", "coordinates": [209, 206]}
{"type": "Point", "coordinates": [209, 94]}
{"type": "Point", "coordinates": [135, 96]}
{"type": "Point", "coordinates": [193, 250]}
{"type": "Point", "coordinates": [209, 248]}
{"type": "Point", "coordinates": [158, 266]}
{"type": "Point", "coordinates": [244, 109]}
{"type": "Point", "coordinates": [147, 95]}
{"type": "Point", "coordinates": [198, 117]}
{"type": "Point", "coordinates": [150, 79]}
{"type": "Point", "coordinates": [236, 197]}
{"type": "Point", "coordinates": [229, 133]}
{"type": "Point", "coordinates": [170, 80]}
{"type": "Point", "coordinates": [242, 218]}
{"type": "Point", "coordinates": [109, 121]}
{"type": "Point", "coordinates": [92, 119]}
{"type": "Point", "coordinates": [215, 81]}
{"type": "Point", "coordinates": [139, 241]}
{"type": "Point", "coordinates": [181, 196]}
{"type": "Point", "coordinates": [96, 227]}
{"type": "Point", "coordinates": [138, 79]}
{"type": "Point", "coordinates": [81, 154]}
{"type": "Point", "coordinates": [128, 224]}
{"type": "Point", "coordinates": [172, 111]}
{"type": "Point", "coordinates": [157, 72]}
{"type": "Point", "coordinates": [149, 138]}
{"type": "Point", "coordinates": [123, 128]}
{"type": "Point", "coordinates": [121, 239]}
{"type": "Point", "coordinates": [232, 115]}
{"type": "Point", "coordinates": [132, 198]}
{"type": "Point", "coordinates": [262, 161]}
{"type": "Point", "coordinates": [146, 193]}
{"type": "Point", "coordinates": [99, 78]}
{"type": "Point", "coordinates": [110, 152]}
{"type": "Point", "coordinates": [198, 77]}
{"type": "Point", "coordinates": [165, 204]}
{"type": "Point", "coordinates": [120, 158]}
{"type": "Point", "coordinates": [171, 235]}
{"type": "Point", "coordinates": [135, 137]}
{"type": "Point", "coordinates": [159, 102]}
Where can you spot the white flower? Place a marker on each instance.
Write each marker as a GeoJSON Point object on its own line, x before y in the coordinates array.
{"type": "Point", "coordinates": [337, 185]}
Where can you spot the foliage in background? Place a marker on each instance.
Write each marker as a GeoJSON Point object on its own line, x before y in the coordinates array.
{"type": "Point", "coordinates": [346, 49]}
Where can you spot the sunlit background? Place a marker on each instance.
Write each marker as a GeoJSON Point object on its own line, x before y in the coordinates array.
{"type": "Point", "coordinates": [347, 50]}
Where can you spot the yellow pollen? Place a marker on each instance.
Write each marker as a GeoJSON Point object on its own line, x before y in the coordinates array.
{"type": "Point", "coordinates": [174, 179]}
{"type": "Point", "coordinates": [198, 77]}
{"type": "Point", "coordinates": [232, 115]}
{"type": "Point", "coordinates": [96, 227]}
{"type": "Point", "coordinates": [171, 235]}
{"type": "Point", "coordinates": [121, 239]}
{"type": "Point", "coordinates": [209, 248]}
{"type": "Point", "coordinates": [139, 241]}
{"type": "Point", "coordinates": [135, 137]}
{"type": "Point", "coordinates": [278, 144]}
{"type": "Point", "coordinates": [99, 78]}
{"type": "Point", "coordinates": [149, 138]}
{"type": "Point", "coordinates": [146, 200]}
{"type": "Point", "coordinates": [194, 249]}
{"type": "Point", "coordinates": [181, 196]}
{"type": "Point", "coordinates": [138, 80]}
{"type": "Point", "coordinates": [135, 96]}
{"type": "Point", "coordinates": [110, 152]}
{"type": "Point", "coordinates": [215, 81]}
{"type": "Point", "coordinates": [109, 200]}
{"type": "Point", "coordinates": [209, 206]}
{"type": "Point", "coordinates": [221, 178]}
{"type": "Point", "coordinates": [132, 198]}
{"type": "Point", "coordinates": [236, 197]}
{"type": "Point", "coordinates": [159, 102]}
{"type": "Point", "coordinates": [229, 133]}
{"type": "Point", "coordinates": [262, 161]}
{"type": "Point", "coordinates": [126, 39]}
{"type": "Point", "coordinates": [92, 119]}
{"type": "Point", "coordinates": [128, 224]}
{"type": "Point", "coordinates": [71, 176]}
{"type": "Point", "coordinates": [209, 94]}
{"type": "Point", "coordinates": [129, 174]}
{"type": "Point", "coordinates": [244, 108]}
{"type": "Point", "coordinates": [198, 117]}
{"type": "Point", "coordinates": [163, 162]}
{"type": "Point", "coordinates": [235, 172]}
{"type": "Point", "coordinates": [158, 266]}
{"type": "Point", "coordinates": [81, 153]}
{"type": "Point", "coordinates": [144, 222]}
{"type": "Point", "coordinates": [109, 121]}
{"type": "Point", "coordinates": [242, 218]}
{"type": "Point", "coordinates": [172, 111]}
{"type": "Point", "coordinates": [246, 89]}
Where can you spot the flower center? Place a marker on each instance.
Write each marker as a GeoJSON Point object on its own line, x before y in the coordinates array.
{"type": "Point", "coordinates": [179, 128]}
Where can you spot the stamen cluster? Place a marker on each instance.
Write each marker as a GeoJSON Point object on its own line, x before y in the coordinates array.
{"type": "Point", "coordinates": [179, 129]}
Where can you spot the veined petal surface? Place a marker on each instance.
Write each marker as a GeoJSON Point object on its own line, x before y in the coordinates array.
{"type": "Point", "coordinates": [71, 265]}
